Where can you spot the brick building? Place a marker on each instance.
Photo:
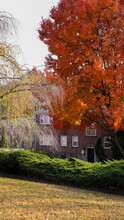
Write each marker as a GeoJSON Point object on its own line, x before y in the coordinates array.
{"type": "Point", "coordinates": [70, 143]}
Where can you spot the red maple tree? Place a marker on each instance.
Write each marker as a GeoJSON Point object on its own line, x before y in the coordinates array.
{"type": "Point", "coordinates": [85, 42]}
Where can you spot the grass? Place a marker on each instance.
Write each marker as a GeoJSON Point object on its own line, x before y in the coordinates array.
{"type": "Point", "coordinates": [20, 199]}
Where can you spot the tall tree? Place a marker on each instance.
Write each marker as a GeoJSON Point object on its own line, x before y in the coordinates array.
{"type": "Point", "coordinates": [85, 42]}
{"type": "Point", "coordinates": [9, 66]}
{"type": "Point", "coordinates": [21, 89]}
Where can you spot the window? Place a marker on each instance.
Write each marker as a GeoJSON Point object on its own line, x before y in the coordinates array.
{"type": "Point", "coordinates": [51, 119]}
{"type": "Point", "coordinates": [90, 132]}
{"type": "Point", "coordinates": [45, 140]}
{"type": "Point", "coordinates": [74, 141]}
{"type": "Point", "coordinates": [64, 141]}
{"type": "Point", "coordinates": [41, 140]}
{"type": "Point", "coordinates": [41, 119]}
{"type": "Point", "coordinates": [44, 119]}
{"type": "Point", "coordinates": [107, 142]}
{"type": "Point", "coordinates": [50, 140]}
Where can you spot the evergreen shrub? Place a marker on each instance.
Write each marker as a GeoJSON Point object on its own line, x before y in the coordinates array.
{"type": "Point", "coordinates": [107, 175]}
{"type": "Point", "coordinates": [99, 151]}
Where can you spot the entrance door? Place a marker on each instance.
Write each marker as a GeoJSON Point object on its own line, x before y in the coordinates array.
{"type": "Point", "coordinates": [90, 155]}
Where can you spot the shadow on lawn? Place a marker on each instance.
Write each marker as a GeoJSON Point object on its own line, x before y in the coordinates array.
{"type": "Point", "coordinates": [113, 190]}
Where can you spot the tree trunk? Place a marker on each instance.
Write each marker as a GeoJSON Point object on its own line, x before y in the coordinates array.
{"type": "Point", "coordinates": [117, 146]}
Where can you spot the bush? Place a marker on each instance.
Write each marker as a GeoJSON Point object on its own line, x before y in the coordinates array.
{"type": "Point", "coordinates": [100, 151]}
{"type": "Point", "coordinates": [72, 171]}
{"type": "Point", "coordinates": [116, 153]}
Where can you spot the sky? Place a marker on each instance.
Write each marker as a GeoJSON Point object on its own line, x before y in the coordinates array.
{"type": "Point", "coordinates": [29, 14]}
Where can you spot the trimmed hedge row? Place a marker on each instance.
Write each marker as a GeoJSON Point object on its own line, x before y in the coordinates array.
{"type": "Point", "coordinates": [71, 171]}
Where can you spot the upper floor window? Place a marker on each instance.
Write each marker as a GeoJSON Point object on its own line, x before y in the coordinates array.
{"type": "Point", "coordinates": [64, 141]}
{"type": "Point", "coordinates": [74, 141]}
{"type": "Point", "coordinates": [90, 131]}
{"type": "Point", "coordinates": [45, 119]}
{"type": "Point", "coordinates": [107, 142]}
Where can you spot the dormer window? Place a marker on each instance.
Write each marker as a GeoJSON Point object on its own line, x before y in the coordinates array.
{"type": "Point", "coordinates": [51, 119]}
{"type": "Point", "coordinates": [45, 119]}
{"type": "Point", "coordinates": [41, 119]}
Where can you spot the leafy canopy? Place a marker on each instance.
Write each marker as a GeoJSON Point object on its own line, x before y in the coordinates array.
{"type": "Point", "coordinates": [85, 42]}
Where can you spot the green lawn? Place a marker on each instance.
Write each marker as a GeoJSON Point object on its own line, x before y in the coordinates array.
{"type": "Point", "coordinates": [21, 199]}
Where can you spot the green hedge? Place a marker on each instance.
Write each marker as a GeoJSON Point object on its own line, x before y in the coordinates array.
{"type": "Point", "coordinates": [106, 175]}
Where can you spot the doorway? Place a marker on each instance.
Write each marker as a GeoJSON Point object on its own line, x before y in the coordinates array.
{"type": "Point", "coordinates": [90, 155]}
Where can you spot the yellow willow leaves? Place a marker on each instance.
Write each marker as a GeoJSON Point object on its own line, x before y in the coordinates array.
{"type": "Point", "coordinates": [8, 63]}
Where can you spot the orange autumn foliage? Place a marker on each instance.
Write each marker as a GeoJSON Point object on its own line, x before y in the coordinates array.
{"type": "Point", "coordinates": [85, 41]}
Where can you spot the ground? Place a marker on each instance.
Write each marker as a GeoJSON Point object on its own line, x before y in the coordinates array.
{"type": "Point", "coordinates": [22, 199]}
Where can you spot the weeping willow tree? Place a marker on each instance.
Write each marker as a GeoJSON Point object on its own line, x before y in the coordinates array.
{"type": "Point", "coordinates": [22, 91]}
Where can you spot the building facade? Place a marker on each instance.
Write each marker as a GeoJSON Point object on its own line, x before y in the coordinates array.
{"type": "Point", "coordinates": [70, 143]}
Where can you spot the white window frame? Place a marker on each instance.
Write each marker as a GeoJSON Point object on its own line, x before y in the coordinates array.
{"type": "Point", "coordinates": [40, 139]}
{"type": "Point", "coordinates": [106, 142]}
{"type": "Point", "coordinates": [74, 141]}
{"type": "Point", "coordinates": [63, 145]}
{"type": "Point", "coordinates": [50, 139]}
{"type": "Point", "coordinates": [41, 119]}
{"type": "Point", "coordinates": [46, 140]}
{"type": "Point", "coordinates": [90, 135]}
{"type": "Point", "coordinates": [45, 119]}
{"type": "Point", "coordinates": [51, 120]}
